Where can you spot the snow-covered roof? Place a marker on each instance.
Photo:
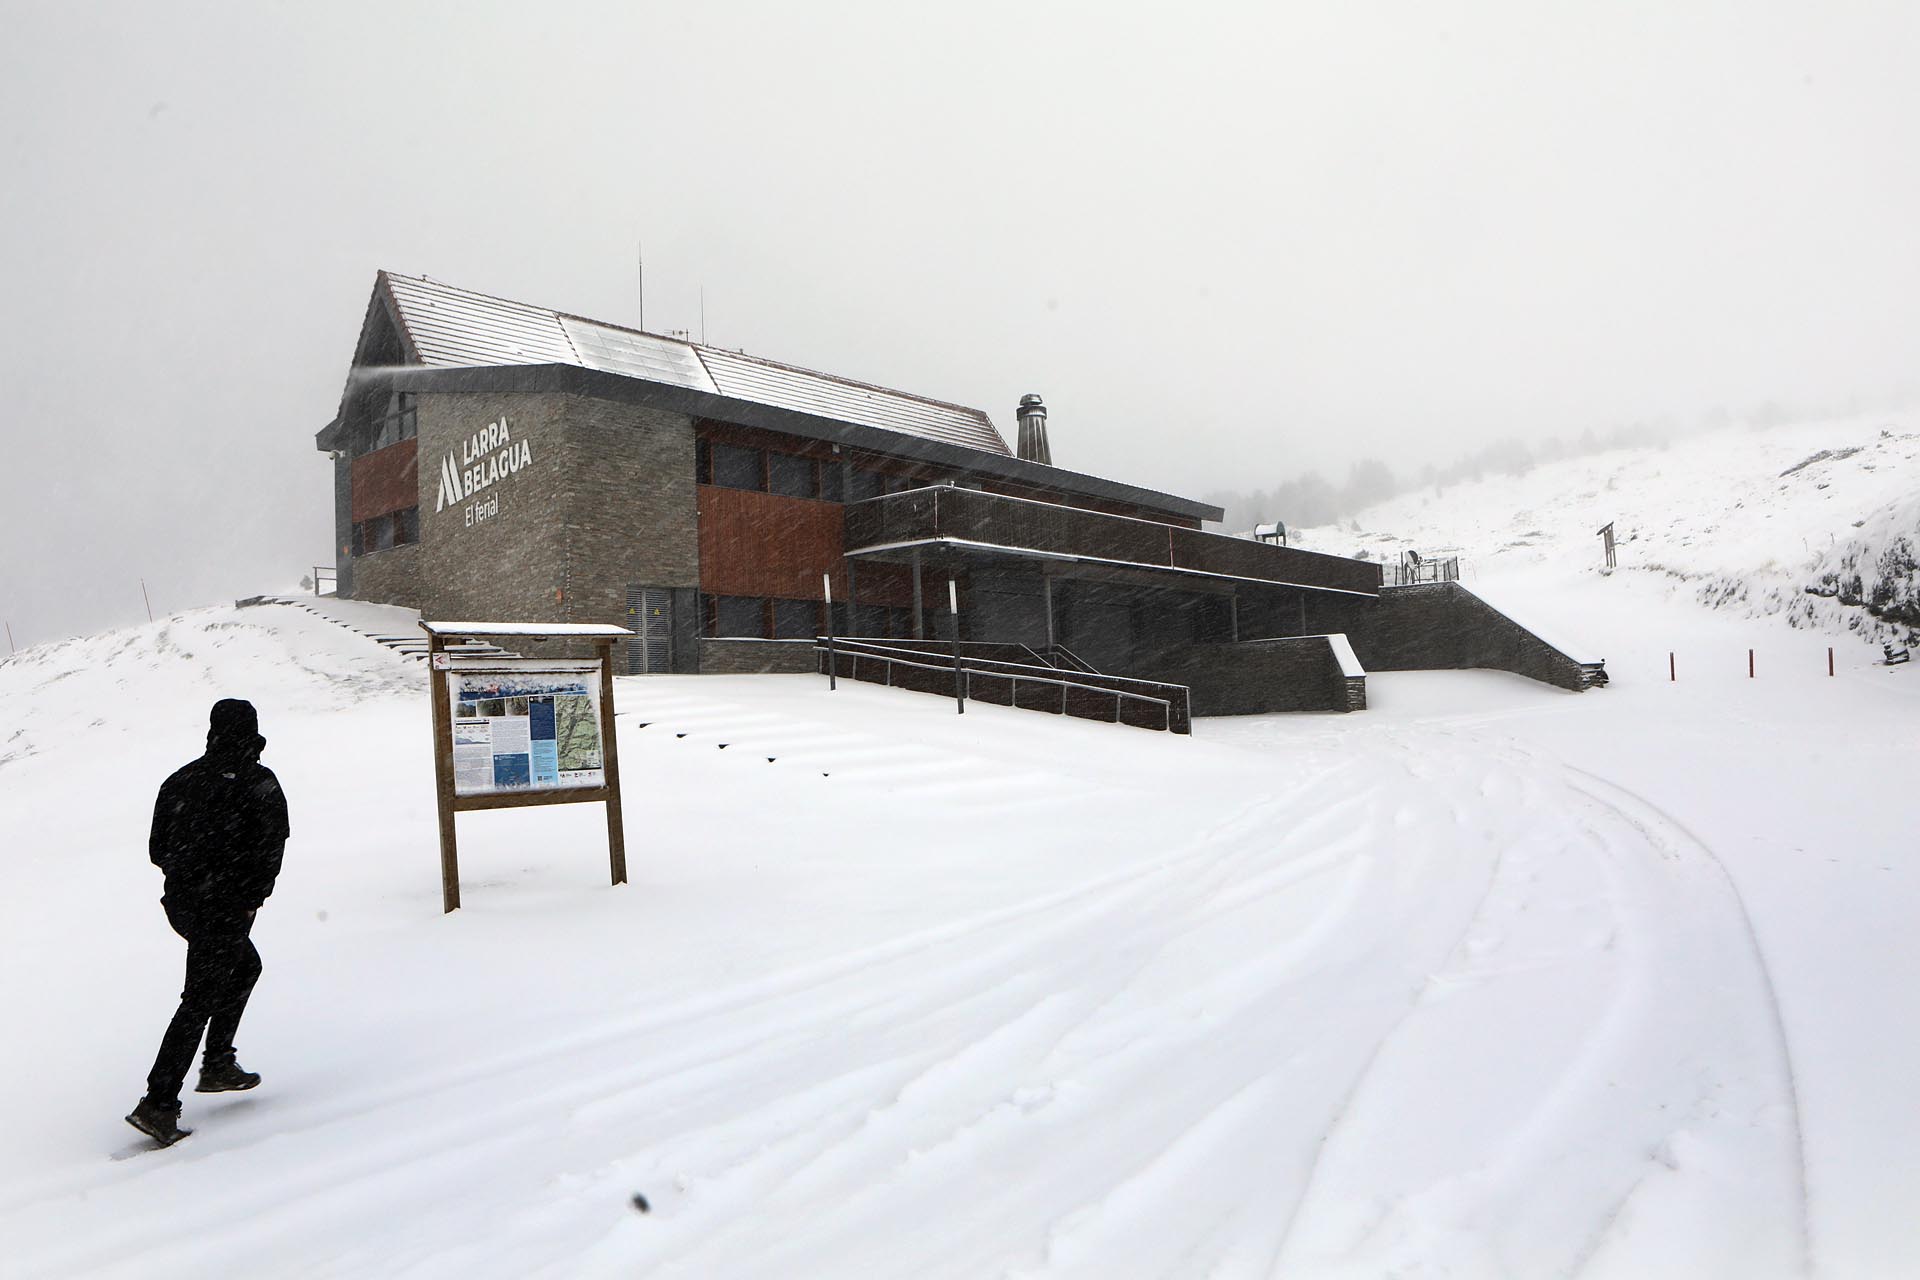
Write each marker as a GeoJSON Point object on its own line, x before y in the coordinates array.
{"type": "Point", "coordinates": [558, 630]}
{"type": "Point", "coordinates": [449, 327]}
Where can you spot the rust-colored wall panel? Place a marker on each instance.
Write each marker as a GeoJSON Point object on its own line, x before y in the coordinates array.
{"type": "Point", "coordinates": [764, 544]}
{"type": "Point", "coordinates": [385, 480]}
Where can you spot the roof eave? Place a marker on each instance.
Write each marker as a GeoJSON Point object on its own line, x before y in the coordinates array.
{"type": "Point", "coordinates": [748, 413]}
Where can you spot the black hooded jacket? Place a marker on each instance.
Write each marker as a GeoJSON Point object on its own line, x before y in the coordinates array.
{"type": "Point", "coordinates": [220, 823]}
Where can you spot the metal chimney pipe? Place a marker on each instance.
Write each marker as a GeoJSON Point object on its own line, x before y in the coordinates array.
{"type": "Point", "coordinates": [1033, 430]}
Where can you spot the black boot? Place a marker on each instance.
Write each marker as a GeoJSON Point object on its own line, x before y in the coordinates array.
{"type": "Point", "coordinates": [159, 1121]}
{"type": "Point", "coordinates": [224, 1075]}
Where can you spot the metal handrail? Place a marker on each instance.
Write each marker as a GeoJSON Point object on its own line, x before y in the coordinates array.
{"type": "Point", "coordinates": [981, 664]}
{"type": "Point", "coordinates": [852, 649]}
{"type": "Point", "coordinates": [1079, 663]}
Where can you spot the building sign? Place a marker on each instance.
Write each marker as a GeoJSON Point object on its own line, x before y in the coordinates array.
{"type": "Point", "coordinates": [490, 456]}
{"type": "Point", "coordinates": [525, 730]}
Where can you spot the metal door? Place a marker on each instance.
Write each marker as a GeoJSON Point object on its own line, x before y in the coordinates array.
{"type": "Point", "coordinates": [650, 616]}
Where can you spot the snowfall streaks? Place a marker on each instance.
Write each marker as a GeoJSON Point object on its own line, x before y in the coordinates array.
{"type": "Point", "coordinates": [902, 993]}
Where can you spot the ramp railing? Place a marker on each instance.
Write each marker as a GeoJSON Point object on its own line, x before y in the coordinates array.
{"type": "Point", "coordinates": [1146, 704]}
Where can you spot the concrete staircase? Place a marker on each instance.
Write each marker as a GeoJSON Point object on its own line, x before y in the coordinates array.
{"type": "Point", "coordinates": [388, 625]}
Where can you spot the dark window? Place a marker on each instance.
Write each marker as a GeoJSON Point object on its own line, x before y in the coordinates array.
{"type": "Point", "coordinates": [737, 468]}
{"type": "Point", "coordinates": [795, 619]}
{"type": "Point", "coordinates": [702, 462]}
{"type": "Point", "coordinates": [866, 484]}
{"type": "Point", "coordinates": [791, 476]}
{"type": "Point", "coordinates": [400, 421]}
{"type": "Point", "coordinates": [740, 616]}
{"type": "Point", "coordinates": [395, 529]}
{"type": "Point", "coordinates": [833, 481]}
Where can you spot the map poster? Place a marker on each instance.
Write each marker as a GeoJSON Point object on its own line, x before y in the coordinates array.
{"type": "Point", "coordinates": [525, 730]}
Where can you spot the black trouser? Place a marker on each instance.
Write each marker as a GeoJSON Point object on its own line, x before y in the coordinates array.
{"type": "Point", "coordinates": [222, 967]}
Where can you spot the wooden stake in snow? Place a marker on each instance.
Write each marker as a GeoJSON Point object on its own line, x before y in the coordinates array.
{"type": "Point", "coordinates": [1670, 673]}
{"type": "Point", "coordinates": [143, 597]}
{"type": "Point", "coordinates": [1749, 664]}
{"type": "Point", "coordinates": [10, 648]}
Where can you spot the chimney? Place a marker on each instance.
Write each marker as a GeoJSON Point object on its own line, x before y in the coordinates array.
{"type": "Point", "coordinates": [1033, 430]}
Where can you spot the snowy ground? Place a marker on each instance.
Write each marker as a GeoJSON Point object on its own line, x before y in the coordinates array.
{"type": "Point", "coordinates": [1490, 980]}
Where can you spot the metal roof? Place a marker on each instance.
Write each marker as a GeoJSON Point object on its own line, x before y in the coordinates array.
{"type": "Point", "coordinates": [452, 327]}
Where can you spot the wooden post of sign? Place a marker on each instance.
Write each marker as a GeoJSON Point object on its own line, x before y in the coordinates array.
{"type": "Point", "coordinates": [443, 775]}
{"type": "Point", "coordinates": [610, 748]}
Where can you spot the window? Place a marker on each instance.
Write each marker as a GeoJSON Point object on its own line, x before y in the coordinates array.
{"type": "Point", "coordinates": [791, 476]}
{"type": "Point", "coordinates": [738, 616]}
{"type": "Point", "coordinates": [866, 484]}
{"type": "Point", "coordinates": [795, 619]}
{"type": "Point", "coordinates": [382, 533]}
{"type": "Point", "coordinates": [833, 481]}
{"type": "Point", "coordinates": [737, 468]}
{"type": "Point", "coordinates": [399, 421]}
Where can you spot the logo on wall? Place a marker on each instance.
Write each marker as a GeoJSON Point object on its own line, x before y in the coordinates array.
{"type": "Point", "coordinates": [488, 458]}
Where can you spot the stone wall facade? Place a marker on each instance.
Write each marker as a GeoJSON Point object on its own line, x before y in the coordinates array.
{"type": "Point", "coordinates": [756, 657]}
{"type": "Point", "coordinates": [1445, 626]}
{"type": "Point", "coordinates": [1254, 677]}
{"type": "Point", "coordinates": [594, 497]}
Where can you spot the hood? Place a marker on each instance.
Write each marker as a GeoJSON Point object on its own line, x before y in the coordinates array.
{"type": "Point", "coordinates": [233, 731]}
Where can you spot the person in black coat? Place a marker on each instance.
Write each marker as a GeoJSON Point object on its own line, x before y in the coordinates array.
{"type": "Point", "coordinates": [219, 829]}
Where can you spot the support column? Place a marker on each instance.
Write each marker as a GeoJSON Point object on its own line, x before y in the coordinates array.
{"type": "Point", "coordinates": [1233, 618]}
{"type": "Point", "coordinates": [853, 600]}
{"type": "Point", "coordinates": [919, 620]}
{"type": "Point", "coordinates": [1046, 588]}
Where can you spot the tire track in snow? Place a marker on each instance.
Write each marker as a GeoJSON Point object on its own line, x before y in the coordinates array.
{"type": "Point", "coordinates": [1571, 1098]}
{"type": "Point", "coordinates": [1664, 831]}
{"type": "Point", "coordinates": [1076, 906]}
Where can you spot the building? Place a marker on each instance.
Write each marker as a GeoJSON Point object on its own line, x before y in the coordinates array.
{"type": "Point", "coordinates": [496, 460]}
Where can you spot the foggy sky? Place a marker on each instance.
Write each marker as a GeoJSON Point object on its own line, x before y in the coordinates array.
{"type": "Point", "coordinates": [1227, 244]}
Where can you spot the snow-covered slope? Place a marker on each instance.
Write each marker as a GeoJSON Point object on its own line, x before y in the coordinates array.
{"type": "Point", "coordinates": [1742, 519]}
{"type": "Point", "coordinates": [1491, 979]}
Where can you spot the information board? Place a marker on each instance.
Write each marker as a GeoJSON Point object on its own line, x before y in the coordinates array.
{"type": "Point", "coordinates": [526, 729]}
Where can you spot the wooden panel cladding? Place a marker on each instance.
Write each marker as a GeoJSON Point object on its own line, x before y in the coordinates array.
{"type": "Point", "coordinates": [763, 544]}
{"type": "Point", "coordinates": [385, 481]}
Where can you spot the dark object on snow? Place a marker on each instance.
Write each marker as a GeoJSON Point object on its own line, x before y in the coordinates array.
{"type": "Point", "coordinates": [219, 829]}
{"type": "Point", "coordinates": [159, 1122]}
{"type": "Point", "coordinates": [640, 1203]}
{"type": "Point", "coordinates": [225, 1076]}
{"type": "Point", "coordinates": [1894, 656]}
